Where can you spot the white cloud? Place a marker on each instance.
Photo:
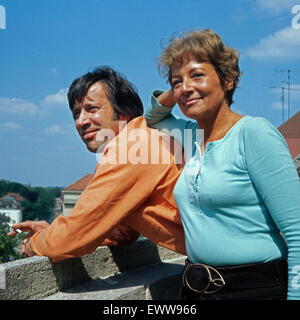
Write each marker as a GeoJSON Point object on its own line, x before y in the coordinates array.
{"type": "Point", "coordinates": [18, 106]}
{"type": "Point", "coordinates": [26, 107]}
{"type": "Point", "coordinates": [283, 44]}
{"type": "Point", "coordinates": [54, 71]}
{"type": "Point", "coordinates": [55, 129]}
{"type": "Point", "coordinates": [294, 93]}
{"type": "Point", "coordinates": [295, 90]}
{"type": "Point", "coordinates": [11, 125]}
{"type": "Point", "coordinates": [276, 6]}
{"type": "Point", "coordinates": [56, 99]}
{"type": "Point", "coordinates": [277, 105]}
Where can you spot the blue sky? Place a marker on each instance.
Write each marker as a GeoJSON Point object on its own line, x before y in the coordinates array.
{"type": "Point", "coordinates": [48, 43]}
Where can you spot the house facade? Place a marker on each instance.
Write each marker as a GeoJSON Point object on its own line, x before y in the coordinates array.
{"type": "Point", "coordinates": [72, 193]}
{"type": "Point", "coordinates": [10, 206]}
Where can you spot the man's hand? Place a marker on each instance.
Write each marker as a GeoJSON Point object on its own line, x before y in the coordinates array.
{"type": "Point", "coordinates": [28, 226]}
{"type": "Point", "coordinates": [31, 227]}
{"type": "Point", "coordinates": [167, 99]}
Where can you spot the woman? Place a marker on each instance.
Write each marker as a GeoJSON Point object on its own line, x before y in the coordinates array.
{"type": "Point", "coordinates": [239, 195]}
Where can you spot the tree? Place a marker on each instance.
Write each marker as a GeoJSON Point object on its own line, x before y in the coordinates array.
{"type": "Point", "coordinates": [39, 202]}
{"type": "Point", "coordinates": [38, 205]}
{"type": "Point", "coordinates": [43, 207]}
{"type": "Point", "coordinates": [27, 210]}
{"type": "Point", "coordinates": [8, 245]}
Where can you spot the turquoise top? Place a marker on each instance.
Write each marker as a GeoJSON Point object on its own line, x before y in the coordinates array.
{"type": "Point", "coordinates": [239, 196]}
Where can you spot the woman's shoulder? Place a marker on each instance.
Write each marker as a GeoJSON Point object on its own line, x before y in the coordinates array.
{"type": "Point", "coordinates": [259, 131]}
{"type": "Point", "coordinates": [257, 125]}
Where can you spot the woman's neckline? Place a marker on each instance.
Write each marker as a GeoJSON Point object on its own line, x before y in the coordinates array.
{"type": "Point", "coordinates": [211, 143]}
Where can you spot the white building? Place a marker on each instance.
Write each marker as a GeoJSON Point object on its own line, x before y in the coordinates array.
{"type": "Point", "coordinates": [10, 206]}
{"type": "Point", "coordinates": [73, 192]}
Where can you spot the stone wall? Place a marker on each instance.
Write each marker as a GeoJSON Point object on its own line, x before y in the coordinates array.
{"type": "Point", "coordinates": [38, 277]}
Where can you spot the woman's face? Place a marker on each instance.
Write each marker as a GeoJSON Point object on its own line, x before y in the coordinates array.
{"type": "Point", "coordinates": [197, 89]}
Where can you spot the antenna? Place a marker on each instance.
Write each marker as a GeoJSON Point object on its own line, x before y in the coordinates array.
{"type": "Point", "coordinates": [282, 100]}
{"type": "Point", "coordinates": [282, 96]}
{"type": "Point", "coordinates": [289, 90]}
{"type": "Point", "coordinates": [288, 82]}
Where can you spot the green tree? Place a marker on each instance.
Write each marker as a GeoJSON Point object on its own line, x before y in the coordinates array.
{"type": "Point", "coordinates": [27, 210]}
{"type": "Point", "coordinates": [38, 203]}
{"type": "Point", "coordinates": [8, 245]}
{"type": "Point", "coordinates": [26, 191]}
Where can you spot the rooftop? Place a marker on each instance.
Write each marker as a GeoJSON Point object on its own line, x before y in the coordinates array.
{"type": "Point", "coordinates": [12, 195]}
{"type": "Point", "coordinates": [291, 128]}
{"type": "Point", "coordinates": [80, 184]}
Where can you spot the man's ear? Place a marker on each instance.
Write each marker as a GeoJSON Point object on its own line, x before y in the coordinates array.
{"type": "Point", "coordinates": [124, 118]}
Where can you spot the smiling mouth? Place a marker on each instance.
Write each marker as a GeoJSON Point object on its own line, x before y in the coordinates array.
{"type": "Point", "coordinates": [190, 102]}
{"type": "Point", "coordinates": [89, 134]}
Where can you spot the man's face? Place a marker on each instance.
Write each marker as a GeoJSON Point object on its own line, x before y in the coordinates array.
{"type": "Point", "coordinates": [93, 114]}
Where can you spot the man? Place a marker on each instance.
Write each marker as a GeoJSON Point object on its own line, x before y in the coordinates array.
{"type": "Point", "coordinates": [129, 193]}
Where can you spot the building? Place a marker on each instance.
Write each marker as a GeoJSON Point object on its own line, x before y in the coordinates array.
{"type": "Point", "coordinates": [10, 206]}
{"type": "Point", "coordinates": [72, 193]}
{"type": "Point", "coordinates": [291, 132]}
{"type": "Point", "coordinates": [58, 206]}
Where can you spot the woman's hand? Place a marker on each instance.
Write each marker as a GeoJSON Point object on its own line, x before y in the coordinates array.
{"type": "Point", "coordinates": [167, 99]}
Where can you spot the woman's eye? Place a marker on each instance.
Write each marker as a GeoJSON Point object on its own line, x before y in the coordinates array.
{"type": "Point", "coordinates": [197, 75]}
{"type": "Point", "coordinates": [174, 83]}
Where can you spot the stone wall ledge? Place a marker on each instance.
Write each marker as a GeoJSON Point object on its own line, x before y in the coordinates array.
{"type": "Point", "coordinates": [160, 281]}
{"type": "Point", "coordinates": [130, 272]}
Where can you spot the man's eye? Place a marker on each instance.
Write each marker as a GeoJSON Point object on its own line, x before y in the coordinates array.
{"type": "Point", "coordinates": [92, 109]}
{"type": "Point", "coordinates": [76, 115]}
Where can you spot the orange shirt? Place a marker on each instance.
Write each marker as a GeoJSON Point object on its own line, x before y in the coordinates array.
{"type": "Point", "coordinates": [130, 193]}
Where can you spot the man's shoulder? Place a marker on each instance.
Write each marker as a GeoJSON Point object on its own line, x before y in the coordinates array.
{"type": "Point", "coordinates": [138, 130]}
{"type": "Point", "coordinates": [139, 144]}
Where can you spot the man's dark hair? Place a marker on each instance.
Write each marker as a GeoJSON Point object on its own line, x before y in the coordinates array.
{"type": "Point", "coordinates": [121, 93]}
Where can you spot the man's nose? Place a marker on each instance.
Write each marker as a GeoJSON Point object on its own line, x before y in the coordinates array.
{"type": "Point", "coordinates": [83, 119]}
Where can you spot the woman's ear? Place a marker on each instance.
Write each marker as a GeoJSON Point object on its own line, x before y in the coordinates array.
{"type": "Point", "coordinates": [229, 85]}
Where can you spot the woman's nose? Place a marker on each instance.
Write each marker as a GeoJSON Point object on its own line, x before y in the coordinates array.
{"type": "Point", "coordinates": [186, 85]}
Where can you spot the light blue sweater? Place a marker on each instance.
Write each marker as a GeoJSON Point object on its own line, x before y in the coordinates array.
{"type": "Point", "coordinates": [239, 196]}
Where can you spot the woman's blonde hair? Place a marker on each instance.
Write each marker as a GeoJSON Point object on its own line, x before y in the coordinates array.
{"type": "Point", "coordinates": [204, 46]}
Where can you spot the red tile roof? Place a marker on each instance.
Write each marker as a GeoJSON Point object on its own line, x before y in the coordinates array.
{"type": "Point", "coordinates": [291, 132]}
{"type": "Point", "coordinates": [14, 195]}
{"type": "Point", "coordinates": [80, 184]}
{"type": "Point", "coordinates": [291, 128]}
